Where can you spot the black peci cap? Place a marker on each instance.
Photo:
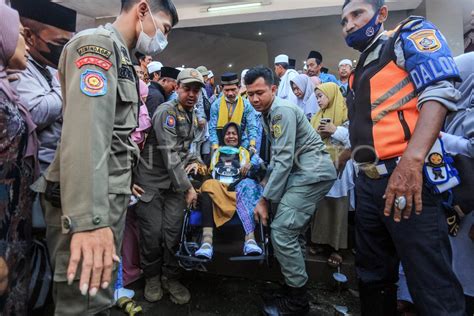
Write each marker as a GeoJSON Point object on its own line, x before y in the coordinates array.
{"type": "Point", "coordinates": [46, 12]}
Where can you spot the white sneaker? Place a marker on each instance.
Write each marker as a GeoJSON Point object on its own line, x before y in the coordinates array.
{"type": "Point", "coordinates": [205, 251]}
{"type": "Point", "coordinates": [251, 248]}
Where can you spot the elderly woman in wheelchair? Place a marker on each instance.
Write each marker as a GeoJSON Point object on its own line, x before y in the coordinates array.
{"type": "Point", "coordinates": [234, 188]}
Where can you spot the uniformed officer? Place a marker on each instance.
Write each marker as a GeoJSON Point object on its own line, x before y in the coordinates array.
{"type": "Point", "coordinates": [89, 181]}
{"type": "Point", "coordinates": [301, 175]}
{"type": "Point", "coordinates": [163, 175]}
{"type": "Point", "coordinates": [399, 95]}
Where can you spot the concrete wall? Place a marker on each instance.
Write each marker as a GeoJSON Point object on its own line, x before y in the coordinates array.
{"type": "Point", "coordinates": [215, 52]}
{"type": "Point", "coordinates": [196, 47]}
{"type": "Point", "coordinates": [323, 34]}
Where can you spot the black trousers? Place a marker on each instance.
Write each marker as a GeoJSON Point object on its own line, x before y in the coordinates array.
{"type": "Point", "coordinates": [421, 243]}
{"type": "Point", "coordinates": [207, 212]}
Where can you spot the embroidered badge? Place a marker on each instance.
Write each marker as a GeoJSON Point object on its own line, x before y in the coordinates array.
{"type": "Point", "coordinates": [125, 72]}
{"type": "Point", "coordinates": [170, 121]}
{"type": "Point", "coordinates": [436, 161]}
{"type": "Point", "coordinates": [92, 60]}
{"type": "Point", "coordinates": [125, 58]}
{"type": "Point", "coordinates": [194, 73]}
{"type": "Point", "coordinates": [277, 130]}
{"type": "Point", "coordinates": [277, 118]}
{"type": "Point", "coordinates": [93, 83]}
{"type": "Point", "coordinates": [425, 41]}
{"type": "Point", "coordinates": [181, 118]}
{"type": "Point", "coordinates": [94, 49]}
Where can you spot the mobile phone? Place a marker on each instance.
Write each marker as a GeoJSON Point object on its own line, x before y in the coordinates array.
{"type": "Point", "coordinates": [325, 121]}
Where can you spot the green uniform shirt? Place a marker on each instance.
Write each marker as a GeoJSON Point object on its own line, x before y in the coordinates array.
{"type": "Point", "coordinates": [166, 152]}
{"type": "Point", "coordinates": [299, 155]}
{"type": "Point", "coordinates": [100, 109]}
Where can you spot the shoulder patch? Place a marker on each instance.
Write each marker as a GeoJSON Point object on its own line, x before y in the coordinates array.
{"type": "Point", "coordinates": [276, 118]}
{"type": "Point", "coordinates": [94, 49]}
{"type": "Point", "coordinates": [425, 41]}
{"type": "Point", "coordinates": [170, 121]}
{"type": "Point", "coordinates": [93, 83]}
{"type": "Point", "coordinates": [95, 61]}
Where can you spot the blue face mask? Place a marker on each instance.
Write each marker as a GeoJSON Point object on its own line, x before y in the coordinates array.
{"type": "Point", "coordinates": [229, 150]}
{"type": "Point", "coordinates": [361, 38]}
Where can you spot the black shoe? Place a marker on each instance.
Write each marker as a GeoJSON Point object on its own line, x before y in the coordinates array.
{"type": "Point", "coordinates": [293, 303]}
{"type": "Point", "coordinates": [378, 300]}
{"type": "Point", "coordinates": [271, 294]}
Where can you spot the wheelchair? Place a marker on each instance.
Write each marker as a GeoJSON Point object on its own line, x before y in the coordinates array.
{"type": "Point", "coordinates": [190, 241]}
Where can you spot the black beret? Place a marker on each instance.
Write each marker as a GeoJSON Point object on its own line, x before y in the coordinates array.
{"type": "Point", "coordinates": [229, 78]}
{"type": "Point", "coordinates": [316, 55]}
{"type": "Point", "coordinates": [46, 12]}
{"type": "Point", "coordinates": [169, 72]}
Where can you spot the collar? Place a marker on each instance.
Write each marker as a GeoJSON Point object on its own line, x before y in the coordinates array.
{"type": "Point", "coordinates": [158, 86]}
{"type": "Point", "coordinates": [37, 64]}
{"type": "Point", "coordinates": [374, 41]}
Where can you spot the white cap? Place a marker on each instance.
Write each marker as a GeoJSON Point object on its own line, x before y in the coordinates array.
{"type": "Point", "coordinates": [211, 74]}
{"type": "Point", "coordinates": [154, 66]}
{"type": "Point", "coordinates": [345, 62]}
{"type": "Point", "coordinates": [282, 59]}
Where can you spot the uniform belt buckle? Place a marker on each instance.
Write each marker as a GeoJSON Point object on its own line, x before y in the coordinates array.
{"type": "Point", "coordinates": [370, 170]}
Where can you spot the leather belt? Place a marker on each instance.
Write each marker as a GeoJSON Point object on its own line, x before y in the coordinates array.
{"type": "Point", "coordinates": [378, 170]}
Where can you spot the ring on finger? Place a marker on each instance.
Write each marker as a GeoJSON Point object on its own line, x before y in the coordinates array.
{"type": "Point", "coordinates": [401, 202]}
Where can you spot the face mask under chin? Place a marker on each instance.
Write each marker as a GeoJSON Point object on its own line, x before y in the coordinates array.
{"type": "Point", "coordinates": [362, 38]}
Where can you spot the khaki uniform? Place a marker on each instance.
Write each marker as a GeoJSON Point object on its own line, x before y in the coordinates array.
{"type": "Point", "coordinates": [301, 175]}
{"type": "Point", "coordinates": [161, 174]}
{"type": "Point", "coordinates": [94, 161]}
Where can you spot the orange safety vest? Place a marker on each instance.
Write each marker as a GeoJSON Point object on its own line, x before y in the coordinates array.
{"type": "Point", "coordinates": [382, 103]}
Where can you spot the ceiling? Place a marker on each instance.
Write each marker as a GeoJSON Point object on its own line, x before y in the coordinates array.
{"type": "Point", "coordinates": [193, 13]}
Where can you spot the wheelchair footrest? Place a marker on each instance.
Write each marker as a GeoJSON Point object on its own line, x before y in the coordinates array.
{"type": "Point", "coordinates": [248, 258]}
{"type": "Point", "coordinates": [192, 258]}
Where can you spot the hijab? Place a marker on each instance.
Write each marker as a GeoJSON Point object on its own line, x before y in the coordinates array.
{"type": "Point", "coordinates": [224, 131]}
{"type": "Point", "coordinates": [309, 103]}
{"type": "Point", "coordinates": [9, 26]}
{"type": "Point", "coordinates": [336, 111]}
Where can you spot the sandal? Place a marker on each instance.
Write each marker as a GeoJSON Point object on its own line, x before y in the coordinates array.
{"type": "Point", "coordinates": [335, 260]}
{"type": "Point", "coordinates": [129, 306]}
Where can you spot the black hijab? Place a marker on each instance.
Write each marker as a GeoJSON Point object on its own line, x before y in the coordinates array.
{"type": "Point", "coordinates": [224, 131]}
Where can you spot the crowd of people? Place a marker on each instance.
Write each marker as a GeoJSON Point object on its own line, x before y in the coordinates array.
{"type": "Point", "coordinates": [103, 146]}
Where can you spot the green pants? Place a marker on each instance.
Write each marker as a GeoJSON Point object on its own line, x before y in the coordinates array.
{"type": "Point", "coordinates": [293, 215]}
{"type": "Point", "coordinates": [160, 218]}
{"type": "Point", "coordinates": [67, 298]}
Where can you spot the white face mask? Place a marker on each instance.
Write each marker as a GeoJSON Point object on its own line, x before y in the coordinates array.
{"type": "Point", "coordinates": [151, 45]}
